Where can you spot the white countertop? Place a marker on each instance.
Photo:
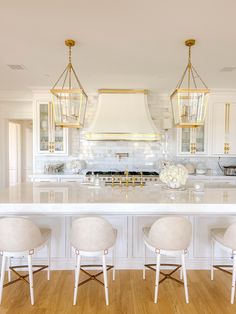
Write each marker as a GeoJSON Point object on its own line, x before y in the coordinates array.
{"type": "Point", "coordinates": [76, 198]}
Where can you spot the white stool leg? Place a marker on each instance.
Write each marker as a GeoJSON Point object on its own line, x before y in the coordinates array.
{"type": "Point", "coordinates": [114, 263]}
{"type": "Point", "coordinates": [233, 279]}
{"type": "Point", "coordinates": [49, 258]}
{"type": "Point", "coordinates": [145, 261]}
{"type": "Point", "coordinates": [157, 277]}
{"type": "Point", "coordinates": [185, 277]}
{"type": "Point", "coordinates": [181, 273]}
{"type": "Point", "coordinates": [9, 271]}
{"type": "Point", "coordinates": [31, 282]}
{"type": "Point", "coordinates": [2, 276]}
{"type": "Point", "coordinates": [77, 271]}
{"type": "Point", "coordinates": [212, 258]}
{"type": "Point", "coordinates": [105, 278]}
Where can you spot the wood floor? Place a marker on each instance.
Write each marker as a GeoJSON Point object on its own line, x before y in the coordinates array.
{"type": "Point", "coordinates": [128, 294]}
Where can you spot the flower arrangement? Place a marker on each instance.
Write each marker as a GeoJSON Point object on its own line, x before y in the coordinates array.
{"type": "Point", "coordinates": [77, 165]}
{"type": "Point", "coordinates": [174, 176]}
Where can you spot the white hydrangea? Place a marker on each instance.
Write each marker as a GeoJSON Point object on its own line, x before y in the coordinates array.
{"type": "Point", "coordinates": [174, 175]}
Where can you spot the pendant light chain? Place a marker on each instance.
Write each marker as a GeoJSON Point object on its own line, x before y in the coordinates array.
{"type": "Point", "coordinates": [69, 65]}
{"type": "Point", "coordinates": [189, 66]}
{"type": "Point", "coordinates": [69, 54]}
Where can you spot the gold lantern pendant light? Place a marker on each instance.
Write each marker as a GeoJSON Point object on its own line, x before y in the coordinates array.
{"type": "Point", "coordinates": [189, 103]}
{"type": "Point", "coordinates": [69, 97]}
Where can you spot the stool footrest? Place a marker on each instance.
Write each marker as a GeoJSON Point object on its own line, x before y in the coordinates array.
{"type": "Point", "coordinates": [166, 276]}
{"type": "Point", "coordinates": [20, 277]}
{"type": "Point", "coordinates": [93, 277]}
{"type": "Point", "coordinates": [221, 267]}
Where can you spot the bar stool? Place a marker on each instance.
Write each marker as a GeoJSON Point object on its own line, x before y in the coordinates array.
{"type": "Point", "coordinates": [93, 237]}
{"type": "Point", "coordinates": [20, 237]}
{"type": "Point", "coordinates": [169, 236]}
{"type": "Point", "coordinates": [226, 239]}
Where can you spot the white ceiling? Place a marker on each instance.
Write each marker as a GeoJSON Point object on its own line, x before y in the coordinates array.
{"type": "Point", "coordinates": [123, 43]}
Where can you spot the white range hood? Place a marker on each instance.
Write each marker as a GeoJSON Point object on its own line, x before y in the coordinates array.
{"type": "Point", "coordinates": [122, 115]}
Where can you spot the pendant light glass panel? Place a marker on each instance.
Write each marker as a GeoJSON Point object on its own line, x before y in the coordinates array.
{"type": "Point", "coordinates": [69, 107]}
{"type": "Point", "coordinates": [189, 107]}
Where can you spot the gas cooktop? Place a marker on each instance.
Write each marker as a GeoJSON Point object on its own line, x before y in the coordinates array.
{"type": "Point", "coordinates": [122, 173]}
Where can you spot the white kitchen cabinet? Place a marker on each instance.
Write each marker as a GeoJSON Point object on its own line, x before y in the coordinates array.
{"type": "Point", "coordinates": [49, 139]}
{"type": "Point", "coordinates": [184, 139]}
{"type": "Point", "coordinates": [53, 195]}
{"type": "Point", "coordinates": [223, 118]}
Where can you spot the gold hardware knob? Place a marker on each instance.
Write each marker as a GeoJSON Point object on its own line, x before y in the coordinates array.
{"type": "Point", "coordinates": [226, 148]}
{"type": "Point", "coordinates": [193, 148]}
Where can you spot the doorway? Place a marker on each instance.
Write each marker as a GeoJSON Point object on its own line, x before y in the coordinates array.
{"type": "Point", "coordinates": [20, 151]}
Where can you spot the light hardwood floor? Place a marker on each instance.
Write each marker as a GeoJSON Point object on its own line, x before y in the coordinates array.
{"type": "Point", "coordinates": [128, 294]}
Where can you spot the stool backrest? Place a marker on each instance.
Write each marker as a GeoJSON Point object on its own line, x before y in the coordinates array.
{"type": "Point", "coordinates": [230, 236]}
{"type": "Point", "coordinates": [92, 234]}
{"type": "Point", "coordinates": [18, 235]}
{"type": "Point", "coordinates": [171, 233]}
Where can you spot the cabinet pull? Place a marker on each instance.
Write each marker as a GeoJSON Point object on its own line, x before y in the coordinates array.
{"type": "Point", "coordinates": [193, 144]}
{"type": "Point", "coordinates": [227, 119]}
{"type": "Point", "coordinates": [51, 146]}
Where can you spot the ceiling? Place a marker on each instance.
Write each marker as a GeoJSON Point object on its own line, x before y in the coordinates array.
{"type": "Point", "coordinates": [122, 44]}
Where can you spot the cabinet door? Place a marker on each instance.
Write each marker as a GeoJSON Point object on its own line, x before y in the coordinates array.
{"type": "Point", "coordinates": [220, 123]}
{"type": "Point", "coordinates": [50, 138]}
{"type": "Point", "coordinates": [185, 136]}
{"type": "Point", "coordinates": [43, 128]}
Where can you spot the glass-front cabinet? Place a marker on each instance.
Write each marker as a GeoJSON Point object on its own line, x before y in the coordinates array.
{"type": "Point", "coordinates": [186, 136]}
{"type": "Point", "coordinates": [51, 139]}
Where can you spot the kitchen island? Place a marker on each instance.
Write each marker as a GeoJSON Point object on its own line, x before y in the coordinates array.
{"type": "Point", "coordinates": [129, 209]}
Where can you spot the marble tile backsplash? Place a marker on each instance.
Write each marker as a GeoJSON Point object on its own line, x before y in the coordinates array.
{"type": "Point", "coordinates": [102, 155]}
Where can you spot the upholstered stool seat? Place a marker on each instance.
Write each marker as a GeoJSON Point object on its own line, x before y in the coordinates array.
{"type": "Point", "coordinates": [226, 239]}
{"type": "Point", "coordinates": [93, 237]}
{"type": "Point", "coordinates": [169, 236]}
{"type": "Point", "coordinates": [20, 237]}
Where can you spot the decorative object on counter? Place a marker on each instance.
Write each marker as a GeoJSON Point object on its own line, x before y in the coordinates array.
{"type": "Point", "coordinates": [69, 97]}
{"type": "Point", "coordinates": [198, 186]}
{"type": "Point", "coordinates": [201, 168]}
{"type": "Point", "coordinates": [76, 165]}
{"type": "Point", "coordinates": [53, 168]}
{"type": "Point", "coordinates": [190, 167]}
{"type": "Point", "coordinates": [227, 170]}
{"type": "Point", "coordinates": [189, 104]}
{"type": "Point", "coordinates": [227, 122]}
{"type": "Point", "coordinates": [174, 176]}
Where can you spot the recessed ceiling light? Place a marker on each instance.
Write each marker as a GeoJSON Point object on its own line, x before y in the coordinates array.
{"type": "Point", "coordinates": [17, 66]}
{"type": "Point", "coordinates": [228, 69]}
